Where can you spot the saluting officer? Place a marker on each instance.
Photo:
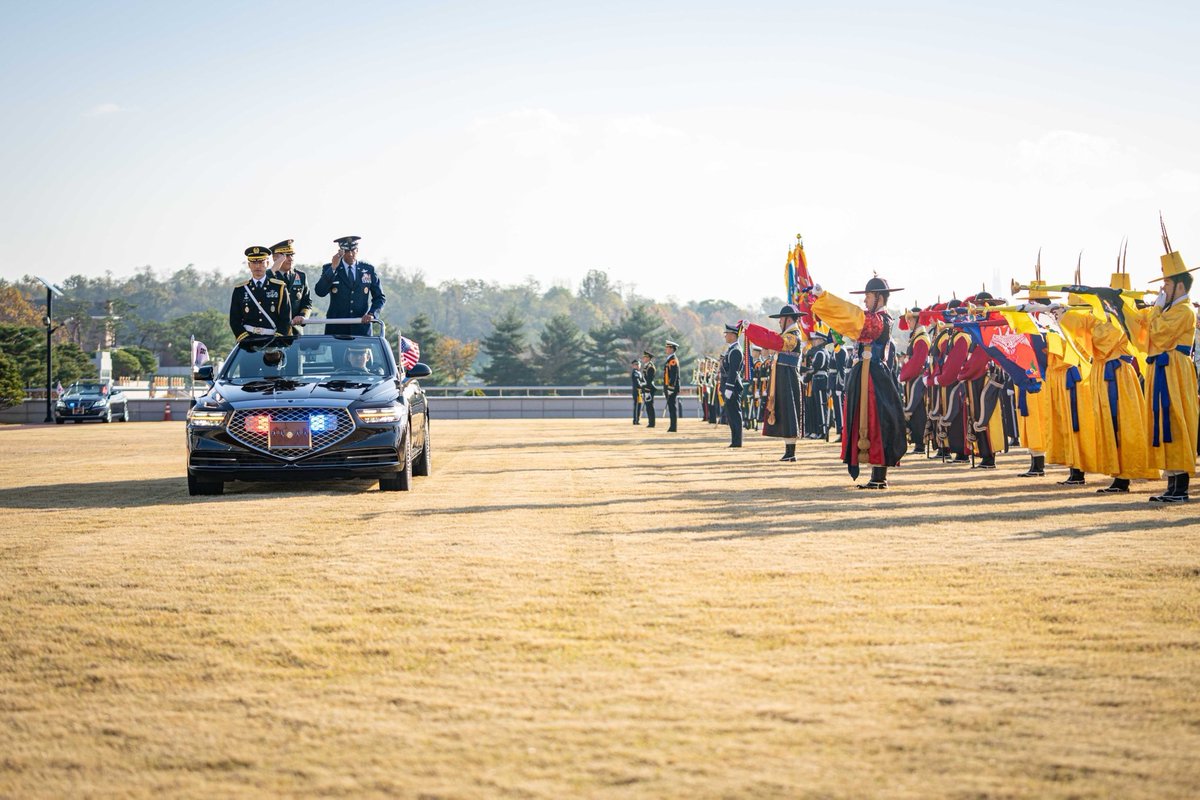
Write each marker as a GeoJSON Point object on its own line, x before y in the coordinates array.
{"type": "Point", "coordinates": [731, 384]}
{"type": "Point", "coordinates": [648, 386]}
{"type": "Point", "coordinates": [671, 384]}
{"type": "Point", "coordinates": [283, 258]}
{"type": "Point", "coordinates": [353, 288]}
{"type": "Point", "coordinates": [260, 306]}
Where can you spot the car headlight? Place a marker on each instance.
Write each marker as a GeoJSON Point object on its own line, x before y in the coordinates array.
{"type": "Point", "coordinates": [371, 416]}
{"type": "Point", "coordinates": [206, 419]}
{"type": "Point", "coordinates": [101, 403]}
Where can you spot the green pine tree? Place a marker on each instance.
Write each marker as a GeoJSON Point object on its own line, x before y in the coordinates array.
{"type": "Point", "coordinates": [12, 390]}
{"type": "Point", "coordinates": [608, 355]}
{"type": "Point", "coordinates": [509, 353]}
{"type": "Point", "coordinates": [561, 358]}
{"type": "Point", "coordinates": [643, 329]}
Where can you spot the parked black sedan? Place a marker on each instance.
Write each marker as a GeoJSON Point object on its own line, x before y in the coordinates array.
{"type": "Point", "coordinates": [96, 399]}
{"type": "Point", "coordinates": [313, 407]}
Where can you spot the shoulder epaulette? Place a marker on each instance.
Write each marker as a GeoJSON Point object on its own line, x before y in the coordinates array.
{"type": "Point", "coordinates": [276, 280]}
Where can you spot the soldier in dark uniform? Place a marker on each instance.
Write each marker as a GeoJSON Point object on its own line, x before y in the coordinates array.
{"type": "Point", "coordinates": [841, 371]}
{"type": "Point", "coordinates": [648, 388]}
{"type": "Point", "coordinates": [670, 385]}
{"type": "Point", "coordinates": [635, 380]}
{"type": "Point", "coordinates": [353, 289]}
{"type": "Point", "coordinates": [260, 306]}
{"type": "Point", "coordinates": [820, 381]}
{"type": "Point", "coordinates": [283, 258]}
{"type": "Point", "coordinates": [731, 384]}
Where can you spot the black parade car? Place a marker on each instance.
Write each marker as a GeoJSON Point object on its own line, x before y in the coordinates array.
{"type": "Point", "coordinates": [96, 399]}
{"type": "Point", "coordinates": [312, 407]}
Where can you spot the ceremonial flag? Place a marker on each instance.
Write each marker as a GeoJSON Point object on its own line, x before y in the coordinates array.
{"type": "Point", "coordinates": [1111, 301]}
{"type": "Point", "coordinates": [799, 281]}
{"type": "Point", "coordinates": [58, 390]}
{"type": "Point", "coordinates": [1021, 355]}
{"type": "Point", "coordinates": [410, 352]}
{"type": "Point", "coordinates": [199, 353]}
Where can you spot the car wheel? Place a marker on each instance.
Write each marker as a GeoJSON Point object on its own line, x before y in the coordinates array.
{"type": "Point", "coordinates": [423, 464]}
{"type": "Point", "coordinates": [125, 413]}
{"type": "Point", "coordinates": [199, 486]}
{"type": "Point", "coordinates": [401, 481]}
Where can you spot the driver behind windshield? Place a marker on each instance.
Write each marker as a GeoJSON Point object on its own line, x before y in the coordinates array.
{"type": "Point", "coordinates": [358, 360]}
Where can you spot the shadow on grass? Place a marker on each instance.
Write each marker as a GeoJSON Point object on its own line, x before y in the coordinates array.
{"type": "Point", "coordinates": [147, 493]}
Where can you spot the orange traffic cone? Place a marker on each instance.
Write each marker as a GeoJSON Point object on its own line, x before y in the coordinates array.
{"type": "Point", "coordinates": [167, 412]}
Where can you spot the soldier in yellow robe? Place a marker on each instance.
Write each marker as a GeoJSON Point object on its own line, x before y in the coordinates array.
{"type": "Point", "coordinates": [1165, 332]}
{"type": "Point", "coordinates": [1116, 396]}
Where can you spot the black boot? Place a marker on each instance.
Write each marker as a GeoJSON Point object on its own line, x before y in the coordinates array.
{"type": "Point", "coordinates": [1037, 468]}
{"type": "Point", "coordinates": [878, 479]}
{"type": "Point", "coordinates": [1076, 478]}
{"type": "Point", "coordinates": [789, 452]}
{"type": "Point", "coordinates": [987, 462]}
{"type": "Point", "coordinates": [1177, 490]}
{"type": "Point", "coordinates": [961, 458]}
{"type": "Point", "coordinates": [1119, 486]}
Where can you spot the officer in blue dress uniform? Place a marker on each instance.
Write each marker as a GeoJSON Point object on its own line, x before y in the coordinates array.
{"type": "Point", "coordinates": [283, 259]}
{"type": "Point", "coordinates": [260, 306]}
{"type": "Point", "coordinates": [731, 384]}
{"type": "Point", "coordinates": [352, 287]}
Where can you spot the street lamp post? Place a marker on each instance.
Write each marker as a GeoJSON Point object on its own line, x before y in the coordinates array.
{"type": "Point", "coordinates": [51, 290]}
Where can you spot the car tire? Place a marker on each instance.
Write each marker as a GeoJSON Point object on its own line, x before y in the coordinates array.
{"type": "Point", "coordinates": [125, 413]}
{"type": "Point", "coordinates": [423, 464]}
{"type": "Point", "coordinates": [198, 486]}
{"type": "Point", "coordinates": [401, 481]}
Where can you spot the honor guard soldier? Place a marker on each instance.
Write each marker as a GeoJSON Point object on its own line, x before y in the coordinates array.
{"type": "Point", "coordinates": [648, 386]}
{"type": "Point", "coordinates": [731, 384]}
{"type": "Point", "coordinates": [352, 287]}
{"type": "Point", "coordinates": [283, 258]}
{"type": "Point", "coordinates": [635, 381]}
{"type": "Point", "coordinates": [260, 306]}
{"type": "Point", "coordinates": [671, 384]}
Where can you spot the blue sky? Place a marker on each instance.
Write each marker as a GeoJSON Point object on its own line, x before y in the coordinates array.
{"type": "Point", "coordinates": [678, 146]}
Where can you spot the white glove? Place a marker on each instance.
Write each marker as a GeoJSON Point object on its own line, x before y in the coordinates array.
{"type": "Point", "coordinates": [728, 394]}
{"type": "Point", "coordinates": [1161, 300]}
{"type": "Point", "coordinates": [817, 291]}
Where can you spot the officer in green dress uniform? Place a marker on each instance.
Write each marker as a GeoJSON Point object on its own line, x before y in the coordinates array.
{"type": "Point", "coordinates": [648, 388]}
{"type": "Point", "coordinates": [260, 306]}
{"type": "Point", "coordinates": [283, 258]}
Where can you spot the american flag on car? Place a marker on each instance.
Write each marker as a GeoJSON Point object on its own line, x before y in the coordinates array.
{"type": "Point", "coordinates": [410, 352]}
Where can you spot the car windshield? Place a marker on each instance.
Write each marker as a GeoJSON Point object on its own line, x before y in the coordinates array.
{"type": "Point", "coordinates": [310, 359]}
{"type": "Point", "coordinates": [88, 388]}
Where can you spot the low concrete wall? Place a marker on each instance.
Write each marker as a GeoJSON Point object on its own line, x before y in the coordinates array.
{"type": "Point", "coordinates": [33, 411]}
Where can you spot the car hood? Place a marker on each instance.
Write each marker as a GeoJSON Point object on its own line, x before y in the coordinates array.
{"type": "Point", "coordinates": [332, 393]}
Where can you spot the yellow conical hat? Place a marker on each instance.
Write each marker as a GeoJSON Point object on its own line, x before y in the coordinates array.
{"type": "Point", "coordinates": [1172, 262]}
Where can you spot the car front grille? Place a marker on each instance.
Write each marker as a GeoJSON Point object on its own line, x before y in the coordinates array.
{"type": "Point", "coordinates": [259, 440]}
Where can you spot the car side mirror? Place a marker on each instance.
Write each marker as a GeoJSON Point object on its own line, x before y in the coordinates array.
{"type": "Point", "coordinates": [419, 370]}
{"type": "Point", "coordinates": [204, 373]}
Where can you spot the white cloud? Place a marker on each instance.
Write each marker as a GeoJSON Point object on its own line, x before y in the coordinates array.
{"type": "Point", "coordinates": [1069, 149]}
{"type": "Point", "coordinates": [1180, 180]}
{"type": "Point", "coordinates": [103, 109]}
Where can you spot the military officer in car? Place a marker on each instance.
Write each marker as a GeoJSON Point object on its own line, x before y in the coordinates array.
{"type": "Point", "coordinates": [352, 287]}
{"type": "Point", "coordinates": [283, 259]}
{"type": "Point", "coordinates": [260, 306]}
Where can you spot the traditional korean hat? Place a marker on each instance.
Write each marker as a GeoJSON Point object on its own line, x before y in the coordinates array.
{"type": "Point", "coordinates": [1120, 278]}
{"type": "Point", "coordinates": [787, 311]}
{"type": "Point", "coordinates": [1172, 262]}
{"type": "Point", "coordinates": [877, 284]}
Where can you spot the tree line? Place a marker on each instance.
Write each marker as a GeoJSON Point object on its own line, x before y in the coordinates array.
{"type": "Point", "coordinates": [467, 329]}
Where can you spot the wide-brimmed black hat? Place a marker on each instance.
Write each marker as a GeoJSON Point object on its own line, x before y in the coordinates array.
{"type": "Point", "coordinates": [787, 311]}
{"type": "Point", "coordinates": [878, 284]}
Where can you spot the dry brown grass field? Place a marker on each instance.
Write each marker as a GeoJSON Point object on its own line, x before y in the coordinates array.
{"type": "Point", "coordinates": [585, 608]}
